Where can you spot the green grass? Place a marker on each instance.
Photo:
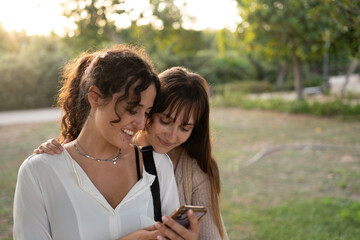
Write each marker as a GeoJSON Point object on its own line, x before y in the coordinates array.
{"type": "Point", "coordinates": [289, 194]}
{"type": "Point", "coordinates": [16, 143]}
{"type": "Point", "coordinates": [319, 218]}
{"type": "Point", "coordinates": [283, 185]}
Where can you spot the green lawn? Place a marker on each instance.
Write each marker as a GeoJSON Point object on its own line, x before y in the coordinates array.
{"type": "Point", "coordinates": [308, 193]}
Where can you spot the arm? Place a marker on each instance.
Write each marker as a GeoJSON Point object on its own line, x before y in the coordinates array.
{"type": "Point", "coordinates": [30, 217]}
{"type": "Point", "coordinates": [201, 195]}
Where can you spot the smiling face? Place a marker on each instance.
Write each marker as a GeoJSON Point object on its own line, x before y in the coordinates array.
{"type": "Point", "coordinates": [166, 132]}
{"type": "Point", "coordinates": [132, 118]}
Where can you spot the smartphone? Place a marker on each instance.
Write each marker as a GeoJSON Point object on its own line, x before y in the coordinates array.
{"type": "Point", "coordinates": [180, 215]}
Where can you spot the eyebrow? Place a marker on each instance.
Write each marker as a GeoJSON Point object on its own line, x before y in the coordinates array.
{"type": "Point", "coordinates": [137, 105]}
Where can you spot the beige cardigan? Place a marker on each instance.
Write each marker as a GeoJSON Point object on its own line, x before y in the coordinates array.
{"type": "Point", "coordinates": [194, 189]}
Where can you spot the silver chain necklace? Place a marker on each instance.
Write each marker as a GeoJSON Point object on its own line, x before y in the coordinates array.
{"type": "Point", "coordinates": [113, 160]}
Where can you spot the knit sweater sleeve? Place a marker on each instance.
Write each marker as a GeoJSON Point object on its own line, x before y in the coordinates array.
{"type": "Point", "coordinates": [201, 195]}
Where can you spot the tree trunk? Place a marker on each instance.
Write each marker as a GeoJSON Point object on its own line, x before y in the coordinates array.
{"type": "Point", "coordinates": [326, 69]}
{"type": "Point", "coordinates": [350, 71]}
{"type": "Point", "coordinates": [298, 77]}
{"type": "Point", "coordinates": [282, 74]}
{"type": "Point", "coordinates": [260, 74]}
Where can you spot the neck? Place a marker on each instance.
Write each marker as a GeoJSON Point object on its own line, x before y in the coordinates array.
{"type": "Point", "coordinates": [93, 144]}
{"type": "Point", "coordinates": [141, 139]}
{"type": "Point", "coordinates": [175, 153]}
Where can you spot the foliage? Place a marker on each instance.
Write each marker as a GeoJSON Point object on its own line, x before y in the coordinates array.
{"type": "Point", "coordinates": [228, 68]}
{"type": "Point", "coordinates": [94, 20]}
{"type": "Point", "coordinates": [346, 14]}
{"type": "Point", "coordinates": [100, 23]}
{"type": "Point", "coordinates": [299, 30]}
{"type": "Point", "coordinates": [333, 108]}
{"type": "Point", "coordinates": [8, 41]}
{"type": "Point", "coordinates": [29, 78]}
{"type": "Point", "coordinates": [271, 34]}
{"type": "Point", "coordinates": [236, 94]}
{"type": "Point", "coordinates": [168, 13]}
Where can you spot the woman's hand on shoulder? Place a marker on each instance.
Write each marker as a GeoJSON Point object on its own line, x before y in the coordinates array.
{"type": "Point", "coordinates": [51, 146]}
{"type": "Point", "coordinates": [174, 230]}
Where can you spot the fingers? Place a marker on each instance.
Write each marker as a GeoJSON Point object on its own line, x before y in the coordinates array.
{"type": "Point", "coordinates": [194, 222]}
{"type": "Point", "coordinates": [150, 228]}
{"type": "Point", "coordinates": [38, 151]}
{"type": "Point", "coordinates": [173, 230]}
{"type": "Point", "coordinates": [166, 231]}
{"type": "Point", "coordinates": [151, 232]}
{"type": "Point", "coordinates": [67, 140]}
{"type": "Point", "coordinates": [51, 147]}
{"type": "Point", "coordinates": [148, 233]}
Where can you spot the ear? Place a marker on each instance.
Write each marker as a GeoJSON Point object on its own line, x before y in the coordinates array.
{"type": "Point", "coordinates": [94, 96]}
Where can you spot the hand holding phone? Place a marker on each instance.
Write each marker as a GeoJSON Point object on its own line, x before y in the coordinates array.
{"type": "Point", "coordinates": [180, 215]}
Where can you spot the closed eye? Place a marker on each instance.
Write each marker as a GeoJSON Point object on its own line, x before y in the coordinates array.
{"type": "Point", "coordinates": [164, 122]}
{"type": "Point", "coordinates": [131, 111]}
{"type": "Point", "coordinates": [186, 128]}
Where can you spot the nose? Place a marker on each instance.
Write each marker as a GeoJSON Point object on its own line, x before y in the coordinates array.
{"type": "Point", "coordinates": [139, 122]}
{"type": "Point", "coordinates": [171, 135]}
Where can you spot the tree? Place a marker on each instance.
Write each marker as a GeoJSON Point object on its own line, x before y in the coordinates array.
{"type": "Point", "coordinates": [94, 19]}
{"type": "Point", "coordinates": [8, 41]}
{"type": "Point", "coordinates": [98, 22]}
{"type": "Point", "coordinates": [346, 13]}
{"type": "Point", "coordinates": [286, 30]}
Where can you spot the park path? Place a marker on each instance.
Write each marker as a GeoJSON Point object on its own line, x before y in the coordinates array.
{"type": "Point", "coordinates": [29, 116]}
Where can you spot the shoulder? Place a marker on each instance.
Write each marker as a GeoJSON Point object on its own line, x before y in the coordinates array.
{"type": "Point", "coordinates": [40, 162]}
{"type": "Point", "coordinates": [162, 160]}
{"type": "Point", "coordinates": [198, 175]}
{"type": "Point", "coordinates": [164, 167]}
{"type": "Point", "coordinates": [36, 160]}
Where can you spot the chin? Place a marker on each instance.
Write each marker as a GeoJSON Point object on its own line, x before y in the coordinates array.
{"type": "Point", "coordinates": [160, 149]}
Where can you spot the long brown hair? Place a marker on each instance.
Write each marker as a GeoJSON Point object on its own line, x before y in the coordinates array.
{"type": "Point", "coordinates": [111, 71]}
{"type": "Point", "coordinates": [182, 90]}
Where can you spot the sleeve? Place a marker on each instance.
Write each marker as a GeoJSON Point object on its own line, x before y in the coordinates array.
{"type": "Point", "coordinates": [201, 195]}
{"type": "Point", "coordinates": [168, 189]}
{"type": "Point", "coordinates": [30, 217]}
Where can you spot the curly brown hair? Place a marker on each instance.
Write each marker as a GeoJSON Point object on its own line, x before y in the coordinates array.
{"type": "Point", "coordinates": [111, 71]}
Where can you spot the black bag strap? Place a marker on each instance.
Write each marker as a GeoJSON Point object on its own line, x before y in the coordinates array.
{"type": "Point", "coordinates": [137, 162]}
{"type": "Point", "coordinates": [149, 164]}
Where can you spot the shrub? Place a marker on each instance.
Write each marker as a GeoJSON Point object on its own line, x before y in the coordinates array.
{"type": "Point", "coordinates": [29, 79]}
{"type": "Point", "coordinates": [241, 87]}
{"type": "Point", "coordinates": [229, 96]}
{"type": "Point", "coordinates": [225, 69]}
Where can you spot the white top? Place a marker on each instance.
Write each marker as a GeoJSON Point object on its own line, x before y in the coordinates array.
{"type": "Point", "coordinates": [55, 199]}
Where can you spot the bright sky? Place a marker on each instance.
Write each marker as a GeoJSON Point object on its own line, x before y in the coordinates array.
{"type": "Point", "coordinates": [42, 16]}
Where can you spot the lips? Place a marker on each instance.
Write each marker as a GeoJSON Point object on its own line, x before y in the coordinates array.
{"type": "Point", "coordinates": [166, 144]}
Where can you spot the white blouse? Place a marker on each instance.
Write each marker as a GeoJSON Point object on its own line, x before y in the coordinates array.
{"type": "Point", "coordinates": [55, 199]}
